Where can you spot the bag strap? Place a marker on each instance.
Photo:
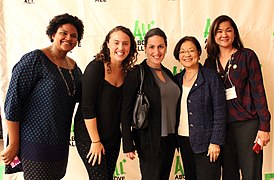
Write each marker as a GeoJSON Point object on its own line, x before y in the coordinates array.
{"type": "Point", "coordinates": [142, 77]}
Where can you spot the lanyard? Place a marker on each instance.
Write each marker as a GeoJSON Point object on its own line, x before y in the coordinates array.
{"type": "Point", "coordinates": [228, 69]}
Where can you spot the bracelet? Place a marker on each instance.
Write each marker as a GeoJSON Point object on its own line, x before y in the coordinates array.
{"type": "Point", "coordinates": [96, 141]}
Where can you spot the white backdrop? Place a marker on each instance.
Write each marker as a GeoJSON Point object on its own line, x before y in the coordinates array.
{"type": "Point", "coordinates": [23, 26]}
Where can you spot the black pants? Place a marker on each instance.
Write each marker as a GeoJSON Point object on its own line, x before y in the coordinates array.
{"type": "Point", "coordinates": [238, 153]}
{"type": "Point", "coordinates": [159, 168]}
{"type": "Point", "coordinates": [106, 169]}
{"type": "Point", "coordinates": [197, 166]}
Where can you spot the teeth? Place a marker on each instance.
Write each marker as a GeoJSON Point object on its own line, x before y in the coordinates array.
{"type": "Point", "coordinates": [119, 53]}
{"type": "Point", "coordinates": [66, 43]}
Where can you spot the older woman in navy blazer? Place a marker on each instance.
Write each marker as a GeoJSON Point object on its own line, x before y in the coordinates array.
{"type": "Point", "coordinates": [203, 113]}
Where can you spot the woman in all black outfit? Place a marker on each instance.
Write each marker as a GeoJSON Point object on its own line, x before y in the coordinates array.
{"type": "Point", "coordinates": [97, 122]}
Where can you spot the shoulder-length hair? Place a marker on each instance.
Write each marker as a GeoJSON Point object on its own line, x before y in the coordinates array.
{"type": "Point", "coordinates": [212, 47]}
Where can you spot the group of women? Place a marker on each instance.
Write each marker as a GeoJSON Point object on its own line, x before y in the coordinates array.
{"type": "Point", "coordinates": [212, 113]}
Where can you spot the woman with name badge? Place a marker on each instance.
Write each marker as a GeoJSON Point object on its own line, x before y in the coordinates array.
{"type": "Point", "coordinates": [248, 121]}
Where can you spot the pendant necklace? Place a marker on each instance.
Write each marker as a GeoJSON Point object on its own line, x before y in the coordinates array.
{"type": "Point", "coordinates": [62, 75]}
{"type": "Point", "coordinates": [190, 78]}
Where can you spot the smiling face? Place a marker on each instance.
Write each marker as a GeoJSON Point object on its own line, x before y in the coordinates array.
{"type": "Point", "coordinates": [66, 37]}
{"type": "Point", "coordinates": [188, 55]}
{"type": "Point", "coordinates": [119, 46]}
{"type": "Point", "coordinates": [225, 35]}
{"type": "Point", "coordinates": [155, 51]}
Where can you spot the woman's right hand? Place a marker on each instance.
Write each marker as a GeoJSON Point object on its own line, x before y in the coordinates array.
{"type": "Point", "coordinates": [131, 155]}
{"type": "Point", "coordinates": [9, 153]}
{"type": "Point", "coordinates": [95, 153]}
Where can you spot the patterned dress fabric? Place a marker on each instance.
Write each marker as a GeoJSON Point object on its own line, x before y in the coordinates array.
{"type": "Point", "coordinates": [38, 98]}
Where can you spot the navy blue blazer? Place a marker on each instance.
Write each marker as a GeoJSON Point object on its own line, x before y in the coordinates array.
{"type": "Point", "coordinates": [206, 105]}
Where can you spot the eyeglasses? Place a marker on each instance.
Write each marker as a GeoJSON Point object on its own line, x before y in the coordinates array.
{"type": "Point", "coordinates": [192, 51]}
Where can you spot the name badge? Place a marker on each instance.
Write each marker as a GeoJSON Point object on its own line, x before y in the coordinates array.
{"type": "Point", "coordinates": [230, 93]}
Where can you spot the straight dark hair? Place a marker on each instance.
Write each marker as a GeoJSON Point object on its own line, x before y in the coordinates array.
{"type": "Point", "coordinates": [155, 32]}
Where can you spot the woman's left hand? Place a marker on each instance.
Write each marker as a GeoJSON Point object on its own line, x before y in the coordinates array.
{"type": "Point", "coordinates": [264, 136]}
{"type": "Point", "coordinates": [213, 152]}
{"type": "Point", "coordinates": [9, 153]}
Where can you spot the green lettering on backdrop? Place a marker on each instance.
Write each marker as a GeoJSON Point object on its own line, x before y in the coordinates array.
{"type": "Point", "coordinates": [175, 70]}
{"type": "Point", "coordinates": [269, 176]}
{"type": "Point", "coordinates": [141, 32]}
{"type": "Point", "coordinates": [178, 166]}
{"type": "Point", "coordinates": [206, 33]}
{"type": "Point", "coordinates": [119, 169]}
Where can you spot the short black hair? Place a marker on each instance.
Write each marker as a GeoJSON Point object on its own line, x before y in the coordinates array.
{"type": "Point", "coordinates": [184, 39]}
{"type": "Point", "coordinates": [59, 20]}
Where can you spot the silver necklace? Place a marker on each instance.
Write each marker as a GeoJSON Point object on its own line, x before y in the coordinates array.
{"type": "Point", "coordinates": [62, 75]}
{"type": "Point", "coordinates": [190, 78]}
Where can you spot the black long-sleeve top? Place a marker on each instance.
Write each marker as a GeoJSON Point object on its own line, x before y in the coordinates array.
{"type": "Point", "coordinates": [147, 139]}
{"type": "Point", "coordinates": [102, 101]}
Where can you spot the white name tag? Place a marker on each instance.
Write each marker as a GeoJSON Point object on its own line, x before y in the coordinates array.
{"type": "Point", "coordinates": [230, 93]}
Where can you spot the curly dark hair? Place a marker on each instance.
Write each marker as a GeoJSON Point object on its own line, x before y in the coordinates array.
{"type": "Point", "coordinates": [129, 61]}
{"type": "Point", "coordinates": [212, 47]}
{"type": "Point", "coordinates": [62, 19]}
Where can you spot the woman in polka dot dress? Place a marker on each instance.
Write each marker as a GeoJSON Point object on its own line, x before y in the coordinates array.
{"type": "Point", "coordinates": [43, 90]}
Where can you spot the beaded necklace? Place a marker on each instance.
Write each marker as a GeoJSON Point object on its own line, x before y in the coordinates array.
{"type": "Point", "coordinates": [62, 75]}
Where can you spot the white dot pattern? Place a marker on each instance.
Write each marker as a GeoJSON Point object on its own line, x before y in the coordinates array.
{"type": "Point", "coordinates": [105, 170]}
{"type": "Point", "coordinates": [37, 98]}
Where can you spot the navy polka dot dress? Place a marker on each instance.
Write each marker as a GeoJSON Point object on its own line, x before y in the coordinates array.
{"type": "Point", "coordinates": [38, 98]}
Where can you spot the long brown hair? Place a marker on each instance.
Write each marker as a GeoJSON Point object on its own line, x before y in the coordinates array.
{"type": "Point", "coordinates": [128, 62]}
{"type": "Point", "coordinates": [212, 47]}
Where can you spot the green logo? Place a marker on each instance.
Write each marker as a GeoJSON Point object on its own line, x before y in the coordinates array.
{"type": "Point", "coordinates": [179, 171]}
{"type": "Point", "coordinates": [175, 70]}
{"type": "Point", "coordinates": [269, 176]}
{"type": "Point", "coordinates": [140, 30]}
{"type": "Point", "coordinates": [119, 169]}
{"type": "Point", "coordinates": [207, 28]}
